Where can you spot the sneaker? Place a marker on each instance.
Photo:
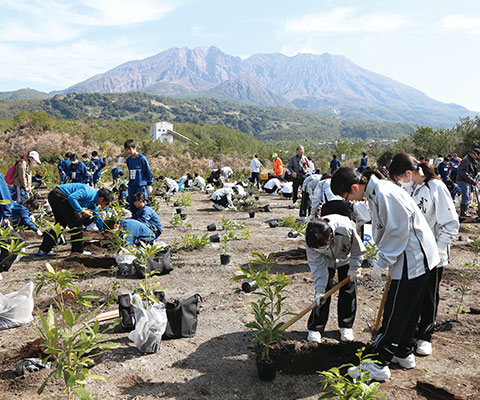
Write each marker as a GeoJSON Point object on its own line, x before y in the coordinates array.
{"type": "Point", "coordinates": [86, 253]}
{"type": "Point", "coordinates": [407, 362]}
{"type": "Point", "coordinates": [423, 348]}
{"type": "Point", "coordinates": [346, 335]}
{"type": "Point", "coordinates": [314, 337]}
{"type": "Point", "coordinates": [41, 253]}
{"type": "Point", "coordinates": [377, 372]}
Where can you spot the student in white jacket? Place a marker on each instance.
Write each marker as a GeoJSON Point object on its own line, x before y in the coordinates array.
{"type": "Point", "coordinates": [198, 183]}
{"type": "Point", "coordinates": [407, 248]}
{"type": "Point", "coordinates": [322, 194]}
{"type": "Point", "coordinates": [332, 244]}
{"type": "Point", "coordinates": [222, 199]}
{"type": "Point", "coordinates": [435, 202]}
{"type": "Point", "coordinates": [308, 187]}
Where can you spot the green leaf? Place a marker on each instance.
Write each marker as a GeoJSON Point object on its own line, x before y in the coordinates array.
{"type": "Point", "coordinates": [82, 393]}
{"type": "Point", "coordinates": [69, 377]}
{"type": "Point", "coordinates": [68, 317]}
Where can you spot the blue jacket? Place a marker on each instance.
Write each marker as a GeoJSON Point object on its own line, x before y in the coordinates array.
{"type": "Point", "coordinates": [63, 168]}
{"type": "Point", "coordinates": [99, 166]}
{"type": "Point", "coordinates": [78, 173]}
{"type": "Point", "coordinates": [122, 197]}
{"type": "Point", "coordinates": [21, 216]}
{"type": "Point", "coordinates": [334, 164]}
{"type": "Point", "coordinates": [136, 231]}
{"type": "Point", "coordinates": [115, 172]}
{"type": "Point", "coordinates": [443, 170]}
{"type": "Point", "coordinates": [6, 203]}
{"type": "Point", "coordinates": [150, 218]}
{"type": "Point", "coordinates": [140, 173]}
{"type": "Point", "coordinates": [363, 164]}
{"type": "Point", "coordinates": [80, 196]}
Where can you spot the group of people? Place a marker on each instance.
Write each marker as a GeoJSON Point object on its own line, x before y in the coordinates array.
{"type": "Point", "coordinates": [414, 221]}
{"type": "Point", "coordinates": [88, 171]}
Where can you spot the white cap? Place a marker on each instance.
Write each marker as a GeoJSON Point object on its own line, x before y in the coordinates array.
{"type": "Point", "coordinates": [35, 156]}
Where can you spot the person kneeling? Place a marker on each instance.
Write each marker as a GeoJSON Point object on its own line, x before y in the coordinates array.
{"type": "Point", "coordinates": [332, 243]}
{"type": "Point", "coordinates": [133, 231]}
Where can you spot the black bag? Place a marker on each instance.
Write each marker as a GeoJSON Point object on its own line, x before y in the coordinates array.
{"type": "Point", "coordinates": [126, 312]}
{"type": "Point", "coordinates": [182, 318]}
{"type": "Point", "coordinates": [162, 263]}
{"type": "Point", "coordinates": [6, 258]}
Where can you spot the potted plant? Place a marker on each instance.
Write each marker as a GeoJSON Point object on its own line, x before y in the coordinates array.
{"type": "Point", "coordinates": [253, 208]}
{"type": "Point", "coordinates": [267, 310]}
{"type": "Point", "coordinates": [226, 255]}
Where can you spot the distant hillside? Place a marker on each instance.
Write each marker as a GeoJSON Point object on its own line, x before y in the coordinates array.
{"type": "Point", "coordinates": [27, 93]}
{"type": "Point", "coordinates": [323, 83]}
{"type": "Point", "coordinates": [280, 124]}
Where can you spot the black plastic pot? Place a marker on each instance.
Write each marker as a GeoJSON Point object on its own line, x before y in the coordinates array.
{"type": "Point", "coordinates": [273, 224]}
{"type": "Point", "coordinates": [249, 286]}
{"type": "Point", "coordinates": [266, 371]}
{"type": "Point", "coordinates": [176, 204]}
{"type": "Point", "coordinates": [225, 259]}
{"type": "Point", "coordinates": [214, 238]}
{"type": "Point", "coordinates": [211, 227]}
{"type": "Point", "coordinates": [293, 234]}
{"type": "Point", "coordinates": [183, 216]}
{"type": "Point", "coordinates": [257, 197]}
{"type": "Point", "coordinates": [251, 214]}
{"type": "Point", "coordinates": [179, 210]}
{"type": "Point", "coordinates": [267, 208]}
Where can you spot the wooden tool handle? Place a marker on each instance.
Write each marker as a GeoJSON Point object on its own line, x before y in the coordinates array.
{"type": "Point", "coordinates": [309, 308]}
{"type": "Point", "coordinates": [380, 309]}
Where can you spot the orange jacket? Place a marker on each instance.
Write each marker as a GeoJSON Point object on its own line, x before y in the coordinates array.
{"type": "Point", "coordinates": [278, 166]}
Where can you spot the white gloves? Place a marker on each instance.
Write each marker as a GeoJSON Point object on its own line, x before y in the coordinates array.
{"type": "Point", "coordinates": [39, 233]}
{"type": "Point", "coordinates": [443, 254]}
{"type": "Point", "coordinates": [354, 274]}
{"type": "Point", "coordinates": [149, 189]}
{"type": "Point", "coordinates": [376, 272]}
{"type": "Point", "coordinates": [32, 218]}
{"type": "Point", "coordinates": [319, 299]}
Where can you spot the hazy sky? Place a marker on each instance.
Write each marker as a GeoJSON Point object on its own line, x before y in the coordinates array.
{"type": "Point", "coordinates": [430, 45]}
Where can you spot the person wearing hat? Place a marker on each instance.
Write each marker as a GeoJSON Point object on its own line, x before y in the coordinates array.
{"type": "Point", "coordinates": [277, 165]}
{"type": "Point", "coordinates": [298, 166]}
{"type": "Point", "coordinates": [23, 175]}
{"type": "Point", "coordinates": [466, 179]}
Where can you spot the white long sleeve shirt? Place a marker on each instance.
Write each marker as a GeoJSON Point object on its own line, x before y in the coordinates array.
{"type": "Point", "coordinates": [172, 185]}
{"type": "Point", "coordinates": [400, 230]}
{"type": "Point", "coordinates": [322, 194]}
{"type": "Point", "coordinates": [255, 165]}
{"type": "Point", "coordinates": [436, 204]}
{"type": "Point", "coordinates": [198, 183]}
{"type": "Point", "coordinates": [223, 192]}
{"type": "Point", "coordinates": [273, 183]}
{"type": "Point", "coordinates": [345, 248]}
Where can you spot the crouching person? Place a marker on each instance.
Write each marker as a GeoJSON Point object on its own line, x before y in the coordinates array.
{"type": "Point", "coordinates": [69, 203]}
{"type": "Point", "coordinates": [222, 198]}
{"type": "Point", "coordinates": [332, 244]}
{"type": "Point", "coordinates": [146, 214]}
{"type": "Point", "coordinates": [22, 215]}
{"type": "Point", "coordinates": [133, 231]}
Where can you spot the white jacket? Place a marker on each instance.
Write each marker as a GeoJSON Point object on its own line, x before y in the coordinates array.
{"type": "Point", "coordinates": [322, 194]}
{"type": "Point", "coordinates": [273, 183]}
{"type": "Point", "coordinates": [172, 185]}
{"type": "Point", "coordinates": [346, 248]}
{"type": "Point", "coordinates": [399, 229]}
{"type": "Point", "coordinates": [223, 192]}
{"type": "Point", "coordinates": [255, 165]}
{"type": "Point", "coordinates": [199, 183]}
{"type": "Point", "coordinates": [227, 172]}
{"type": "Point", "coordinates": [435, 202]}
{"type": "Point", "coordinates": [310, 183]}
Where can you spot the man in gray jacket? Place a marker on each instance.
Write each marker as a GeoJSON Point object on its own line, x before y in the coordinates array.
{"type": "Point", "coordinates": [466, 178]}
{"type": "Point", "coordinates": [298, 166]}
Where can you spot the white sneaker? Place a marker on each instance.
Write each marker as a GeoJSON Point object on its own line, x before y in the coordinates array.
{"type": "Point", "coordinates": [314, 337]}
{"type": "Point", "coordinates": [423, 348]}
{"type": "Point", "coordinates": [377, 372]}
{"type": "Point", "coordinates": [86, 253]}
{"type": "Point", "coordinates": [346, 335]}
{"type": "Point", "coordinates": [407, 362]}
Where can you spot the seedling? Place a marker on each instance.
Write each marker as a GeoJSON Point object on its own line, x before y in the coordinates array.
{"type": "Point", "coordinates": [184, 200]}
{"type": "Point", "coordinates": [229, 225]}
{"type": "Point", "coordinates": [178, 221]}
{"type": "Point", "coordinates": [191, 241]}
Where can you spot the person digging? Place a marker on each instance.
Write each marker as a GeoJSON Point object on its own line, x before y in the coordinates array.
{"type": "Point", "coordinates": [69, 203]}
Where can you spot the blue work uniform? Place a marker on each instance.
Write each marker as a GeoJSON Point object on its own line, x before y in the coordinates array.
{"type": "Point", "coordinates": [21, 217]}
{"type": "Point", "coordinates": [99, 166]}
{"type": "Point", "coordinates": [334, 165]}
{"type": "Point", "coordinates": [140, 176]}
{"type": "Point", "coordinates": [78, 173]}
{"type": "Point", "coordinates": [115, 172]}
{"type": "Point", "coordinates": [443, 171]}
{"type": "Point", "coordinates": [363, 164]}
{"type": "Point", "coordinates": [6, 203]}
{"type": "Point", "coordinates": [150, 218]}
{"type": "Point", "coordinates": [80, 196]}
{"type": "Point", "coordinates": [63, 169]}
{"type": "Point", "coordinates": [136, 231]}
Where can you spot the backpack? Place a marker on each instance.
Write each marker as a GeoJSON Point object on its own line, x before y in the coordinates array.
{"type": "Point", "coordinates": [10, 175]}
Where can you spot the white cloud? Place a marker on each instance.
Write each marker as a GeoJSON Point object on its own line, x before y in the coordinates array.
{"type": "Point", "coordinates": [343, 20]}
{"type": "Point", "coordinates": [63, 65]}
{"type": "Point", "coordinates": [463, 23]}
{"type": "Point", "coordinates": [54, 20]}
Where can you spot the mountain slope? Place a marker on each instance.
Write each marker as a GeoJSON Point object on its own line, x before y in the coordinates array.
{"type": "Point", "coordinates": [322, 83]}
{"type": "Point", "coordinates": [27, 93]}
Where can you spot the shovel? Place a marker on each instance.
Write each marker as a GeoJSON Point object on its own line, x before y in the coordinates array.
{"type": "Point", "coordinates": [380, 309]}
{"type": "Point", "coordinates": [311, 306]}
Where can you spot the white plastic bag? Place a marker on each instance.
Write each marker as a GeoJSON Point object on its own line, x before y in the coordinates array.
{"type": "Point", "coordinates": [124, 262]}
{"type": "Point", "coordinates": [16, 308]}
{"type": "Point", "coordinates": [149, 327]}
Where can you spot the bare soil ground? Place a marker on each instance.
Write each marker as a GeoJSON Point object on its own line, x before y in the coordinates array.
{"type": "Point", "coordinates": [219, 362]}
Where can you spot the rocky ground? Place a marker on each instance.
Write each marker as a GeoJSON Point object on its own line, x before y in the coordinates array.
{"type": "Point", "coordinates": [219, 362]}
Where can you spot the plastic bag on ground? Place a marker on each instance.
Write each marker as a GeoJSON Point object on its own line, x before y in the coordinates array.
{"type": "Point", "coordinates": [124, 262]}
{"type": "Point", "coordinates": [149, 327]}
{"type": "Point", "coordinates": [16, 308]}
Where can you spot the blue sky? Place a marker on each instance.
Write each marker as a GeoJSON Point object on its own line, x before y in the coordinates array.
{"type": "Point", "coordinates": [430, 45]}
